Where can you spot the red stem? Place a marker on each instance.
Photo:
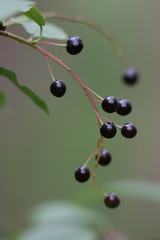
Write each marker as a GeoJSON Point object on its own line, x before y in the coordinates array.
{"type": "Point", "coordinates": [97, 101]}
{"type": "Point", "coordinates": [45, 53]}
{"type": "Point", "coordinates": [94, 93]}
{"type": "Point", "coordinates": [49, 68]}
{"type": "Point", "coordinates": [54, 44]}
{"type": "Point", "coordinates": [105, 118]}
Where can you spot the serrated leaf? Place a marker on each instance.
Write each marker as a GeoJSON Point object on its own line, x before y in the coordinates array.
{"type": "Point", "coordinates": [132, 189]}
{"type": "Point", "coordinates": [10, 7]}
{"type": "Point", "coordinates": [2, 99]}
{"type": "Point", "coordinates": [35, 98]}
{"type": "Point", "coordinates": [34, 14]}
{"type": "Point", "coordinates": [50, 30]}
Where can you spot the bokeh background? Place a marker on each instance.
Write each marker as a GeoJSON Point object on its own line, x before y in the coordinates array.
{"type": "Point", "coordinates": [39, 153]}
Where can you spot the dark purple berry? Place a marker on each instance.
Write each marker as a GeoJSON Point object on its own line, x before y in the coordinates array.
{"type": "Point", "coordinates": [108, 130]}
{"type": "Point", "coordinates": [129, 130]}
{"type": "Point", "coordinates": [74, 45]}
{"type": "Point", "coordinates": [130, 76]}
{"type": "Point", "coordinates": [112, 200]}
{"type": "Point", "coordinates": [58, 88]}
{"type": "Point", "coordinates": [109, 104]}
{"type": "Point", "coordinates": [124, 107]}
{"type": "Point", "coordinates": [105, 157]}
{"type": "Point", "coordinates": [82, 174]}
{"type": "Point", "coordinates": [2, 28]}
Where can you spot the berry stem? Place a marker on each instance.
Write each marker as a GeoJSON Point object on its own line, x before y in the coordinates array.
{"type": "Point", "coordinates": [49, 68]}
{"type": "Point", "coordinates": [105, 119]}
{"type": "Point", "coordinates": [54, 44]}
{"type": "Point", "coordinates": [40, 36]}
{"type": "Point", "coordinates": [94, 93]}
{"type": "Point", "coordinates": [100, 146]}
{"type": "Point", "coordinates": [118, 126]}
{"type": "Point", "coordinates": [93, 180]}
{"type": "Point", "coordinates": [98, 101]}
{"type": "Point", "coordinates": [88, 22]}
{"type": "Point", "coordinates": [45, 53]}
{"type": "Point", "coordinates": [17, 38]}
{"type": "Point", "coordinates": [99, 188]}
{"type": "Point", "coordinates": [92, 24]}
{"type": "Point", "coordinates": [85, 164]}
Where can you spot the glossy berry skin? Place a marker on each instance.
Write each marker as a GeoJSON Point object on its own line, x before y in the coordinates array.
{"type": "Point", "coordinates": [124, 107]}
{"type": "Point", "coordinates": [109, 104]}
{"type": "Point", "coordinates": [74, 45]}
{"type": "Point", "coordinates": [112, 200]}
{"type": "Point", "coordinates": [129, 130]}
{"type": "Point", "coordinates": [82, 174]}
{"type": "Point", "coordinates": [130, 76]}
{"type": "Point", "coordinates": [58, 88]}
{"type": "Point", "coordinates": [105, 158]}
{"type": "Point", "coordinates": [108, 130]}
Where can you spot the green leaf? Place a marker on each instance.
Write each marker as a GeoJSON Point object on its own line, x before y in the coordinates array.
{"type": "Point", "coordinates": [65, 212]}
{"type": "Point", "coordinates": [64, 220]}
{"type": "Point", "coordinates": [2, 99]}
{"type": "Point", "coordinates": [60, 232]}
{"type": "Point", "coordinates": [50, 30]}
{"type": "Point", "coordinates": [132, 189]}
{"type": "Point", "coordinates": [35, 98]}
{"type": "Point", "coordinates": [35, 16]}
{"type": "Point", "coordinates": [10, 7]}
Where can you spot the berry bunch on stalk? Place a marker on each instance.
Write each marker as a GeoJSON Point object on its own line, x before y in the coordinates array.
{"type": "Point", "coordinates": [108, 129]}
{"type": "Point", "coordinates": [109, 104]}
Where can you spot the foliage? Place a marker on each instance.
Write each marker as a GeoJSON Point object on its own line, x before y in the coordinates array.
{"type": "Point", "coordinates": [63, 220]}
{"type": "Point", "coordinates": [13, 78]}
{"type": "Point", "coordinates": [11, 7]}
{"type": "Point", "coordinates": [2, 99]}
{"type": "Point", "coordinates": [50, 30]}
{"type": "Point", "coordinates": [35, 16]}
{"type": "Point", "coordinates": [31, 26]}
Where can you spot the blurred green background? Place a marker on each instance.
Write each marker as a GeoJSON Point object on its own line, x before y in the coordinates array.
{"type": "Point", "coordinates": [39, 153]}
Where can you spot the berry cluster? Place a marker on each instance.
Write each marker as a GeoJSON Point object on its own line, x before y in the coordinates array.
{"type": "Point", "coordinates": [109, 104]}
{"type": "Point", "coordinates": [108, 129]}
{"type": "Point", "coordinates": [122, 107]}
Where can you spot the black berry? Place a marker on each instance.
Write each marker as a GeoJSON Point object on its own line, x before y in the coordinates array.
{"type": "Point", "coordinates": [105, 157]}
{"type": "Point", "coordinates": [82, 174]}
{"type": "Point", "coordinates": [108, 130]}
{"type": "Point", "coordinates": [2, 28]}
{"type": "Point", "coordinates": [74, 45]}
{"type": "Point", "coordinates": [129, 130]}
{"type": "Point", "coordinates": [124, 107]}
{"type": "Point", "coordinates": [130, 76]}
{"type": "Point", "coordinates": [112, 200]}
{"type": "Point", "coordinates": [109, 104]}
{"type": "Point", "coordinates": [58, 88]}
